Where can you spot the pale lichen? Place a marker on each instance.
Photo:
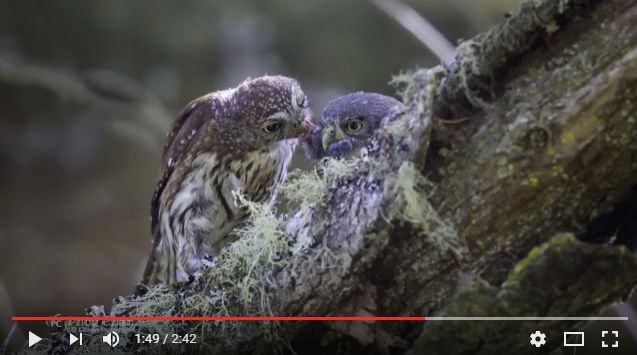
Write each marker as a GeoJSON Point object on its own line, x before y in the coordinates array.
{"type": "Point", "coordinates": [309, 188]}
{"type": "Point", "coordinates": [405, 84]}
{"type": "Point", "coordinates": [411, 192]}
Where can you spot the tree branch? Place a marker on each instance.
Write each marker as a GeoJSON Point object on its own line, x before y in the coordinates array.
{"type": "Point", "coordinates": [146, 119]}
{"type": "Point", "coordinates": [419, 27]}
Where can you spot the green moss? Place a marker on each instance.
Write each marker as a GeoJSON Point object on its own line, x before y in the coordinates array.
{"type": "Point", "coordinates": [533, 180]}
{"type": "Point", "coordinates": [556, 243]}
{"type": "Point", "coordinates": [306, 188]}
{"type": "Point", "coordinates": [309, 188]}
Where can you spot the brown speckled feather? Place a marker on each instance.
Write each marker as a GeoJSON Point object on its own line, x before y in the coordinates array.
{"type": "Point", "coordinates": [182, 135]}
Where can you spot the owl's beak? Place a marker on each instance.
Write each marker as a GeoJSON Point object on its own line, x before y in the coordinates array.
{"type": "Point", "coordinates": [305, 127]}
{"type": "Point", "coordinates": [335, 144]}
{"type": "Point", "coordinates": [327, 138]}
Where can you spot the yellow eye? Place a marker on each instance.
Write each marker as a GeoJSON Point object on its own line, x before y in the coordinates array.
{"type": "Point", "coordinates": [272, 127]}
{"type": "Point", "coordinates": [354, 126]}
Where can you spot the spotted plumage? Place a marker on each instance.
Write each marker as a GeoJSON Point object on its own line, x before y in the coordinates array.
{"type": "Point", "coordinates": [239, 140]}
{"type": "Point", "coordinates": [347, 123]}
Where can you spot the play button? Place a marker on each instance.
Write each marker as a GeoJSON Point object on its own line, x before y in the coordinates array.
{"type": "Point", "coordinates": [33, 339]}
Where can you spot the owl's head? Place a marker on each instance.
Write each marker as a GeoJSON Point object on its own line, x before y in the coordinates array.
{"type": "Point", "coordinates": [272, 108]}
{"type": "Point", "coordinates": [347, 124]}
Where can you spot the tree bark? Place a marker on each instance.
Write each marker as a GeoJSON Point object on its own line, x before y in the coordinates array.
{"type": "Point", "coordinates": [546, 145]}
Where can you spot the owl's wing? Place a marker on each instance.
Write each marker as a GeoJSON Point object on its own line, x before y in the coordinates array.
{"type": "Point", "coordinates": [182, 135]}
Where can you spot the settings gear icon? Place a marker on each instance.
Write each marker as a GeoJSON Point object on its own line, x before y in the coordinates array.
{"type": "Point", "coordinates": [538, 339]}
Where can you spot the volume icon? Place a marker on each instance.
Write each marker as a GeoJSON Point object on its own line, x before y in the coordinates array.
{"type": "Point", "coordinates": [112, 339]}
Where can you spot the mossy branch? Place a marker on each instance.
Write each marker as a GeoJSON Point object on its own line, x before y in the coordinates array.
{"type": "Point", "coordinates": [590, 277]}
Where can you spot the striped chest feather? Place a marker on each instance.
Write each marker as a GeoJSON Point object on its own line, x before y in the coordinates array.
{"type": "Point", "coordinates": [204, 206]}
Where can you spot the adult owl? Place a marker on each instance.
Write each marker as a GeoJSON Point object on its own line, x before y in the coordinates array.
{"type": "Point", "coordinates": [347, 123]}
{"type": "Point", "coordinates": [229, 141]}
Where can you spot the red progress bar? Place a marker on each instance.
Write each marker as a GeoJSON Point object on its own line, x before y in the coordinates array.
{"type": "Point", "coordinates": [220, 318]}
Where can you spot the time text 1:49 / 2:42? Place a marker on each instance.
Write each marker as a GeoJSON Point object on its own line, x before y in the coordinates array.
{"type": "Point", "coordinates": [166, 339]}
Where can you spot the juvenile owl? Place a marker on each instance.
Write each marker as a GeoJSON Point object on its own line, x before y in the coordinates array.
{"type": "Point", "coordinates": [347, 123]}
{"type": "Point", "coordinates": [239, 140]}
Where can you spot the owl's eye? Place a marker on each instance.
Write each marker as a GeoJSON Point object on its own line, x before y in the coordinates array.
{"type": "Point", "coordinates": [272, 127]}
{"type": "Point", "coordinates": [354, 126]}
{"type": "Point", "coordinates": [301, 99]}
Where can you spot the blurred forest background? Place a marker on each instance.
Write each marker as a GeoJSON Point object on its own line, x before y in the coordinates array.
{"type": "Point", "coordinates": [87, 87]}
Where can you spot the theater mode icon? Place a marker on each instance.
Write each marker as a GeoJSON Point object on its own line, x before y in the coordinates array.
{"type": "Point", "coordinates": [576, 339]}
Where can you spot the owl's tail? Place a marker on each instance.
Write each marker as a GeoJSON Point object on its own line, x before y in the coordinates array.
{"type": "Point", "coordinates": [160, 267]}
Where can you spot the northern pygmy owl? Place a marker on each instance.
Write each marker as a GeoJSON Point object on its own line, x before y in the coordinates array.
{"type": "Point", "coordinates": [347, 123]}
{"type": "Point", "coordinates": [239, 140]}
